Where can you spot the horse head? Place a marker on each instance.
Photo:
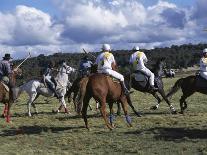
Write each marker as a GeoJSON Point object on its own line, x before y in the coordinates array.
{"type": "Point", "coordinates": [159, 66]}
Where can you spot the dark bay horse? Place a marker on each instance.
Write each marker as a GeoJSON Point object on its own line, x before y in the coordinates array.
{"type": "Point", "coordinates": [6, 94]}
{"type": "Point", "coordinates": [104, 90]}
{"type": "Point", "coordinates": [158, 72]}
{"type": "Point", "coordinates": [189, 85]}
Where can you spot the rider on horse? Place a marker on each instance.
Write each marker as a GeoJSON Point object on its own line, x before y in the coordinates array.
{"type": "Point", "coordinates": [203, 64]}
{"type": "Point", "coordinates": [49, 79]}
{"type": "Point", "coordinates": [5, 73]}
{"type": "Point", "coordinates": [106, 64]}
{"type": "Point", "coordinates": [85, 66]}
{"type": "Point", "coordinates": [138, 60]}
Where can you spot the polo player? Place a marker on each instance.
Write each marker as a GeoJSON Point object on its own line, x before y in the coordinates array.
{"type": "Point", "coordinates": [49, 79]}
{"type": "Point", "coordinates": [85, 66]}
{"type": "Point", "coordinates": [6, 73]}
{"type": "Point", "coordinates": [138, 59]}
{"type": "Point", "coordinates": [105, 61]}
{"type": "Point", "coordinates": [203, 64]}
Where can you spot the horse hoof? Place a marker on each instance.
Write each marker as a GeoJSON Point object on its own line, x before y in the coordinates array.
{"type": "Point", "coordinates": [54, 111]}
{"type": "Point", "coordinates": [181, 112]}
{"type": "Point", "coordinates": [174, 112]}
{"type": "Point", "coordinates": [138, 114]}
{"type": "Point", "coordinates": [153, 108]}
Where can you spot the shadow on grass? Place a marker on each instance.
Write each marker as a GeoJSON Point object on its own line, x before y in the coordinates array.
{"type": "Point", "coordinates": [78, 117]}
{"type": "Point", "coordinates": [169, 134]}
{"type": "Point", "coordinates": [33, 130]}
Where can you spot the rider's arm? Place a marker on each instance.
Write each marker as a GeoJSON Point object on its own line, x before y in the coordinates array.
{"type": "Point", "coordinates": [144, 58]}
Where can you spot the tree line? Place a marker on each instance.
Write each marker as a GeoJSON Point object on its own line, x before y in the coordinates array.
{"type": "Point", "coordinates": [177, 57]}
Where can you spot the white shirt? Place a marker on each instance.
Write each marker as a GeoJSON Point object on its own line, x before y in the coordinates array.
{"type": "Point", "coordinates": [203, 64]}
{"type": "Point", "coordinates": [138, 59]}
{"type": "Point", "coordinates": [104, 60]}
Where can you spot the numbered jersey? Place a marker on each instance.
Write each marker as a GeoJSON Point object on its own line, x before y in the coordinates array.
{"type": "Point", "coordinates": [138, 59]}
{"type": "Point", "coordinates": [104, 60]}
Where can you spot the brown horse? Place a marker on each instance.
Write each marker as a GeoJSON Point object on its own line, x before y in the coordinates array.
{"type": "Point", "coordinates": [188, 85]}
{"type": "Point", "coordinates": [104, 90]}
{"type": "Point", "coordinates": [6, 95]}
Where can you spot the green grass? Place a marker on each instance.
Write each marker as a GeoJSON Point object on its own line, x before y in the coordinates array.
{"type": "Point", "coordinates": [157, 132]}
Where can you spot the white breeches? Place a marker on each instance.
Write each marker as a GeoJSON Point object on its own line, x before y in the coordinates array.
{"type": "Point", "coordinates": [204, 75]}
{"type": "Point", "coordinates": [112, 73]}
{"type": "Point", "coordinates": [150, 74]}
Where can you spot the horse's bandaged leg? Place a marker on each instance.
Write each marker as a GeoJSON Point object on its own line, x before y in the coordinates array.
{"type": "Point", "coordinates": [111, 118]}
{"type": "Point", "coordinates": [128, 119]}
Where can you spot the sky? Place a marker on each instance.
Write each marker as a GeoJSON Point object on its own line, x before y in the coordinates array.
{"type": "Point", "coordinates": [51, 26]}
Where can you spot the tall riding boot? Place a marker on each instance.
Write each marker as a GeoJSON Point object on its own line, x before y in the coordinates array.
{"type": "Point", "coordinates": [124, 88]}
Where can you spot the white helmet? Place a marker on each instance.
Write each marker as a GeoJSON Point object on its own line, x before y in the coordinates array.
{"type": "Point", "coordinates": [106, 47]}
{"type": "Point", "coordinates": [205, 50]}
{"type": "Point", "coordinates": [135, 48]}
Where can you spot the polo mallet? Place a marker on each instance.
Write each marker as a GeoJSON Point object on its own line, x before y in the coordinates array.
{"type": "Point", "coordinates": [23, 61]}
{"type": "Point", "coordinates": [93, 56]}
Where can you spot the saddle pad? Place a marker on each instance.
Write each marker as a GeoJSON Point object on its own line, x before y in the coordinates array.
{"type": "Point", "coordinates": [5, 86]}
{"type": "Point", "coordinates": [139, 77]}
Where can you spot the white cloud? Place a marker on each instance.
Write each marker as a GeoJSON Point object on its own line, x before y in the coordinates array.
{"type": "Point", "coordinates": [89, 23]}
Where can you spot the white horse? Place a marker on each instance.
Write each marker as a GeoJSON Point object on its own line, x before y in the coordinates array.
{"type": "Point", "coordinates": [34, 88]}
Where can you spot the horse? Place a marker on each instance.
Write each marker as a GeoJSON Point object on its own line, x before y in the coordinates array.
{"type": "Point", "coordinates": [34, 88]}
{"type": "Point", "coordinates": [104, 90]}
{"type": "Point", "coordinates": [189, 85]}
{"type": "Point", "coordinates": [142, 83]}
{"type": "Point", "coordinates": [6, 95]}
{"type": "Point", "coordinates": [76, 86]}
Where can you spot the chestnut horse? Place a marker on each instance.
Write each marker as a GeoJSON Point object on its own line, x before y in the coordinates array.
{"type": "Point", "coordinates": [104, 90]}
{"type": "Point", "coordinates": [6, 95]}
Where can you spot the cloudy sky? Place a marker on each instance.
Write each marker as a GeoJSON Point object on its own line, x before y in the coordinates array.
{"type": "Point", "coordinates": [51, 26]}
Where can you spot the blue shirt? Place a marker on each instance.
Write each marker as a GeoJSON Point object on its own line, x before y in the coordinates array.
{"type": "Point", "coordinates": [5, 68]}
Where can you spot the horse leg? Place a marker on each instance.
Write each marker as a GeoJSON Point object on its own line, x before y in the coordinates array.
{"type": "Point", "coordinates": [124, 107]}
{"type": "Point", "coordinates": [31, 99]}
{"type": "Point", "coordinates": [84, 110]}
{"type": "Point", "coordinates": [131, 105]}
{"type": "Point", "coordinates": [4, 111]}
{"type": "Point", "coordinates": [111, 116]}
{"type": "Point", "coordinates": [63, 104]}
{"type": "Point", "coordinates": [33, 104]}
{"type": "Point", "coordinates": [172, 109]}
{"type": "Point", "coordinates": [118, 109]}
{"type": "Point", "coordinates": [103, 113]}
{"type": "Point", "coordinates": [158, 101]}
{"type": "Point", "coordinates": [183, 100]}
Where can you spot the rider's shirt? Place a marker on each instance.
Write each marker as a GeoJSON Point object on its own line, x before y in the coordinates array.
{"type": "Point", "coordinates": [5, 68]}
{"type": "Point", "coordinates": [104, 60]}
{"type": "Point", "coordinates": [85, 64]}
{"type": "Point", "coordinates": [138, 59]}
{"type": "Point", "coordinates": [203, 64]}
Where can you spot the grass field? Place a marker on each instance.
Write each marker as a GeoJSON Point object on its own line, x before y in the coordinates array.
{"type": "Point", "coordinates": [157, 132]}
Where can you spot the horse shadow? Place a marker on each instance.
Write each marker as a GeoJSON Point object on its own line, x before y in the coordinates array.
{"type": "Point", "coordinates": [78, 117]}
{"type": "Point", "coordinates": [36, 130]}
{"type": "Point", "coordinates": [170, 134]}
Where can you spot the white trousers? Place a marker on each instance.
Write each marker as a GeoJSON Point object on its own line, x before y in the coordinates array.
{"type": "Point", "coordinates": [204, 75]}
{"type": "Point", "coordinates": [150, 74]}
{"type": "Point", "coordinates": [112, 73]}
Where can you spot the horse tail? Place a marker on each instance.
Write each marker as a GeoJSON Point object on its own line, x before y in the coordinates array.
{"type": "Point", "coordinates": [175, 88]}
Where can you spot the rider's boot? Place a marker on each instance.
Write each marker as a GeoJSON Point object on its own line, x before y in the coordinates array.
{"type": "Point", "coordinates": [124, 88]}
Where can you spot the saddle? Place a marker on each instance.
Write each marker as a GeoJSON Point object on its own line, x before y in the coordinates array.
{"type": "Point", "coordinates": [200, 82]}
{"type": "Point", "coordinates": [141, 78]}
